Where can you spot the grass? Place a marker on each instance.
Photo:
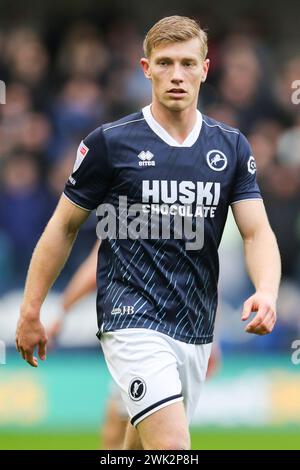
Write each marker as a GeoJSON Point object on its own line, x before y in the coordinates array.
{"type": "Point", "coordinates": [43, 441]}
{"type": "Point", "coordinates": [236, 438]}
{"type": "Point", "coordinates": [246, 439]}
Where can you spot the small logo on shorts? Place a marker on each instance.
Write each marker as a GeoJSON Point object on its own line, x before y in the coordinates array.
{"type": "Point", "coordinates": [137, 389]}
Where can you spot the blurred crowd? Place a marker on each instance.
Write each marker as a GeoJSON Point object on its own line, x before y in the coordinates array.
{"type": "Point", "coordinates": [54, 98]}
{"type": "Point", "coordinates": [57, 93]}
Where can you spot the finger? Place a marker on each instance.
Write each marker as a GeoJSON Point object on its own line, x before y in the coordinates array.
{"type": "Point", "coordinates": [270, 319]}
{"type": "Point", "coordinates": [264, 319]}
{"type": "Point", "coordinates": [259, 317]}
{"type": "Point", "coordinates": [33, 362]}
{"type": "Point", "coordinates": [30, 359]}
{"type": "Point", "coordinates": [247, 309]}
{"type": "Point", "coordinates": [42, 350]}
{"type": "Point", "coordinates": [265, 326]}
{"type": "Point", "coordinates": [22, 352]}
{"type": "Point", "coordinates": [17, 346]}
{"type": "Point", "coordinates": [261, 330]}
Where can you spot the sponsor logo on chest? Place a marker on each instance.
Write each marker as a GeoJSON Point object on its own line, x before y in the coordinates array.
{"type": "Point", "coordinates": [184, 192]}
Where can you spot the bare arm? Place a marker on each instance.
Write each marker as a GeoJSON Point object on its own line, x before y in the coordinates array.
{"type": "Point", "coordinates": [48, 259]}
{"type": "Point", "coordinates": [82, 283]}
{"type": "Point", "coordinates": [84, 280]}
{"type": "Point", "coordinates": [263, 264]}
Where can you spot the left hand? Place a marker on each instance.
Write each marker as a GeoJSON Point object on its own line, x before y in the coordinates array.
{"type": "Point", "coordinates": [265, 318]}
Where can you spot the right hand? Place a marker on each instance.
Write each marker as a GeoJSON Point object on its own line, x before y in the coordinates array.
{"type": "Point", "coordinates": [29, 335]}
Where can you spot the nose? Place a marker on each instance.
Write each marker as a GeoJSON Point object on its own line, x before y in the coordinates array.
{"type": "Point", "coordinates": [177, 74]}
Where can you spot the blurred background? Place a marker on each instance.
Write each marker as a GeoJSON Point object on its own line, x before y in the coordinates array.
{"type": "Point", "coordinates": [69, 66]}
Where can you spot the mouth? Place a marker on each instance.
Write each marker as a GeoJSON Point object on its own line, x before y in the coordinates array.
{"type": "Point", "coordinates": [177, 92]}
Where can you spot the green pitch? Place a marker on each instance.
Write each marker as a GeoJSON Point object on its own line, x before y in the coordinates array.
{"type": "Point", "coordinates": [235, 439]}
{"type": "Point", "coordinates": [246, 439]}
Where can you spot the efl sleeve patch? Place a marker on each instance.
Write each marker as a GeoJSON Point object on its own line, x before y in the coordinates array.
{"type": "Point", "coordinates": [245, 185]}
{"type": "Point", "coordinates": [81, 153]}
{"type": "Point", "coordinates": [92, 173]}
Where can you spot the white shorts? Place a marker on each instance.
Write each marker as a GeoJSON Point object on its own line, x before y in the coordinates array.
{"type": "Point", "coordinates": [154, 370]}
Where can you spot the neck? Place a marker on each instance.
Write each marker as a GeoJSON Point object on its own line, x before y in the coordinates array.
{"type": "Point", "coordinates": [178, 124]}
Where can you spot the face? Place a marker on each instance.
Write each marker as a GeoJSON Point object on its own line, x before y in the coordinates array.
{"type": "Point", "coordinates": [176, 71]}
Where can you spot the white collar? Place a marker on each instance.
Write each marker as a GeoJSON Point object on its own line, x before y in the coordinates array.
{"type": "Point", "coordinates": [165, 136]}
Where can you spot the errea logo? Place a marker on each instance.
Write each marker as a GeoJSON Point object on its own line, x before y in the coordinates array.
{"type": "Point", "coordinates": [146, 158]}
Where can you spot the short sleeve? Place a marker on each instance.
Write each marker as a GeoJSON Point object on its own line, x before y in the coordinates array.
{"type": "Point", "coordinates": [244, 185]}
{"type": "Point", "coordinates": [92, 173]}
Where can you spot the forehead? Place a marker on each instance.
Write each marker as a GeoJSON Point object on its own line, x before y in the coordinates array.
{"type": "Point", "coordinates": [184, 49]}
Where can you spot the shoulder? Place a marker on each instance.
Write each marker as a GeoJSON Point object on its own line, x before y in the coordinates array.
{"type": "Point", "coordinates": [123, 124]}
{"type": "Point", "coordinates": [226, 135]}
{"type": "Point", "coordinates": [98, 136]}
{"type": "Point", "coordinates": [220, 128]}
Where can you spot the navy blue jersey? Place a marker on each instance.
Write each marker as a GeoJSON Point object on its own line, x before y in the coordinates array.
{"type": "Point", "coordinates": [156, 282]}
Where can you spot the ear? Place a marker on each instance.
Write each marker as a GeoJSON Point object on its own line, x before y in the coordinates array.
{"type": "Point", "coordinates": [146, 67]}
{"type": "Point", "coordinates": [205, 69]}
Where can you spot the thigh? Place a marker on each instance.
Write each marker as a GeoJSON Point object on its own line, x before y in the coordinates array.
{"type": "Point", "coordinates": [144, 366]}
{"type": "Point", "coordinates": [165, 429]}
{"type": "Point", "coordinates": [132, 439]}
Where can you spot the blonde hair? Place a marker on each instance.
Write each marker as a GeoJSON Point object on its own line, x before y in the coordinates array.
{"type": "Point", "coordinates": [174, 29]}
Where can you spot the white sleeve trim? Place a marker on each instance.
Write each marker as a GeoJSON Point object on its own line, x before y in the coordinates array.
{"type": "Point", "coordinates": [84, 208]}
{"type": "Point", "coordinates": [248, 199]}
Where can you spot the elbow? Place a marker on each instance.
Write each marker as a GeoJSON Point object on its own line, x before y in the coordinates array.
{"type": "Point", "coordinates": [264, 233]}
{"type": "Point", "coordinates": [64, 226]}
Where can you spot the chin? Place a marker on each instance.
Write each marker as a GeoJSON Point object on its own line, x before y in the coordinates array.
{"type": "Point", "coordinates": [176, 105]}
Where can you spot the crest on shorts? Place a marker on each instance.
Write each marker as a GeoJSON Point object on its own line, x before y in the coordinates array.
{"type": "Point", "coordinates": [137, 389]}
